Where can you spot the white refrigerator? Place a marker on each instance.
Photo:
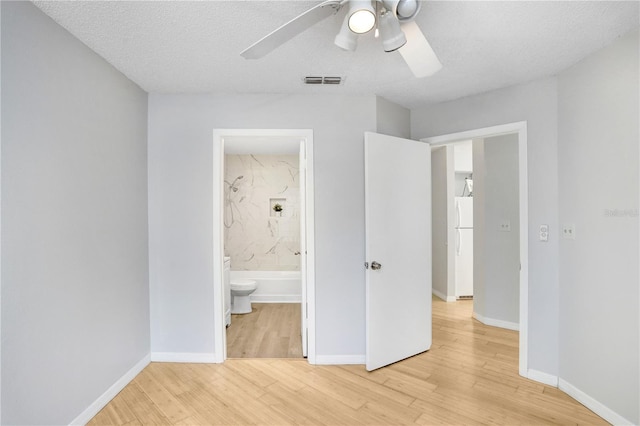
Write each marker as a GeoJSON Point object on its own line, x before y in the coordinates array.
{"type": "Point", "coordinates": [464, 247]}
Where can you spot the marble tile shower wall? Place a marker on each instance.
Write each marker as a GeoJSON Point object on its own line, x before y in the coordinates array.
{"type": "Point", "coordinates": [257, 236]}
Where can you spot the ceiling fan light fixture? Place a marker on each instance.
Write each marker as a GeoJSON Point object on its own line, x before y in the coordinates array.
{"type": "Point", "coordinates": [392, 36]}
{"type": "Point", "coordinates": [361, 17]}
{"type": "Point", "coordinates": [404, 10]}
{"type": "Point", "coordinates": [394, 18]}
{"type": "Point", "coordinates": [346, 39]}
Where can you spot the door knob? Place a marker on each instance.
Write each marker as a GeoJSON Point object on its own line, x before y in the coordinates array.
{"type": "Point", "coordinates": [375, 265]}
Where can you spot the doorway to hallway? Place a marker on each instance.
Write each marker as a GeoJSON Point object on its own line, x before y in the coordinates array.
{"type": "Point", "coordinates": [519, 129]}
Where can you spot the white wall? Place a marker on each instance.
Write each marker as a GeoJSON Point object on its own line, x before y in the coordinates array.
{"type": "Point", "coordinates": [496, 261]}
{"type": "Point", "coordinates": [479, 228]}
{"type": "Point", "coordinates": [599, 182]}
{"type": "Point", "coordinates": [536, 103]}
{"type": "Point", "coordinates": [181, 205]}
{"type": "Point", "coordinates": [392, 119]}
{"type": "Point", "coordinates": [440, 185]}
{"type": "Point", "coordinates": [463, 157]}
{"type": "Point", "coordinates": [75, 301]}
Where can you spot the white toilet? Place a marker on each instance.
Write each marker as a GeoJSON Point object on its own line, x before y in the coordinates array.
{"type": "Point", "coordinates": [240, 295]}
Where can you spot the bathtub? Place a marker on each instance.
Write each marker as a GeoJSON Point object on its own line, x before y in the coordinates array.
{"type": "Point", "coordinates": [273, 286]}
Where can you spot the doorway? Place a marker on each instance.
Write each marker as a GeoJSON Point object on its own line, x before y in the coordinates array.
{"type": "Point", "coordinates": [452, 204]}
{"type": "Point", "coordinates": [288, 215]}
{"type": "Point", "coordinates": [519, 129]}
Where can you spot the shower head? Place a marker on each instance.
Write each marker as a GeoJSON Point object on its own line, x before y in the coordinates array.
{"type": "Point", "coordinates": [233, 186]}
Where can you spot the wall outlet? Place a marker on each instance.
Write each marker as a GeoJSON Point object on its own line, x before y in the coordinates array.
{"type": "Point", "coordinates": [569, 231]}
{"type": "Point", "coordinates": [544, 233]}
{"type": "Point", "coordinates": [505, 226]}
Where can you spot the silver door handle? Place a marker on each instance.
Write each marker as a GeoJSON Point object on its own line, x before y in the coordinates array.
{"type": "Point", "coordinates": [375, 265]}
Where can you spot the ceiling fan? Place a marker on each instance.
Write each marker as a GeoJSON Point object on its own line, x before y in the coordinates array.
{"type": "Point", "coordinates": [393, 21]}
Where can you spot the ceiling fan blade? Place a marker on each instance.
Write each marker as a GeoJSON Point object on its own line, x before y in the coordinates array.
{"type": "Point", "coordinates": [292, 28]}
{"type": "Point", "coordinates": [417, 52]}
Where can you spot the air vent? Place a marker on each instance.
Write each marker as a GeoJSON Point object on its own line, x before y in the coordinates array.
{"type": "Point", "coordinates": [323, 80]}
{"type": "Point", "coordinates": [332, 80]}
{"type": "Point", "coordinates": [313, 80]}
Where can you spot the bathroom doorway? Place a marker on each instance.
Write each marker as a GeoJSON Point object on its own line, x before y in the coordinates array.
{"type": "Point", "coordinates": [517, 135]}
{"type": "Point", "coordinates": [263, 235]}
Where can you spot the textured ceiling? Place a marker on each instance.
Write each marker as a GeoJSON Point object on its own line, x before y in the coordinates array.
{"type": "Point", "coordinates": [194, 47]}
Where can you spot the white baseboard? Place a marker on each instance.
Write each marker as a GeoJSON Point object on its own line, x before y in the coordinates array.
{"type": "Point", "coordinates": [442, 296]}
{"type": "Point", "coordinates": [597, 407]}
{"type": "Point", "coordinates": [110, 393]}
{"type": "Point", "coordinates": [497, 323]}
{"type": "Point", "coordinates": [339, 359]}
{"type": "Point", "coordinates": [184, 357]}
{"type": "Point", "coordinates": [276, 298]}
{"type": "Point", "coordinates": [544, 378]}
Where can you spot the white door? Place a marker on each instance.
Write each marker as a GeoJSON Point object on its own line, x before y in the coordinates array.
{"type": "Point", "coordinates": [303, 244]}
{"type": "Point", "coordinates": [398, 246]}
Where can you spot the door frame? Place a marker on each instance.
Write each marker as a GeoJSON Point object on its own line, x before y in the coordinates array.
{"type": "Point", "coordinates": [520, 128]}
{"type": "Point", "coordinates": [219, 329]}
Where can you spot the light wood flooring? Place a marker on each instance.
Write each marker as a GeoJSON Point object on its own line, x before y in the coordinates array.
{"type": "Point", "coordinates": [271, 330]}
{"type": "Point", "coordinates": [469, 377]}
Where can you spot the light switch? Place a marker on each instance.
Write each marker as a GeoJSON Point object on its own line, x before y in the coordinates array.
{"type": "Point", "coordinates": [544, 233]}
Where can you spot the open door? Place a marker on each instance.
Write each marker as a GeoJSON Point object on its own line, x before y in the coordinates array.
{"type": "Point", "coordinates": [303, 245]}
{"type": "Point", "coordinates": [398, 248]}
